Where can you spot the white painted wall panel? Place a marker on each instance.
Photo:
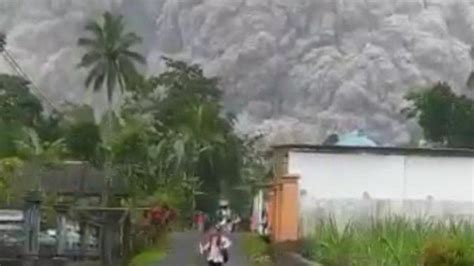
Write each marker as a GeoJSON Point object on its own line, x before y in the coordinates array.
{"type": "Point", "coordinates": [334, 185]}
{"type": "Point", "coordinates": [444, 178]}
{"type": "Point", "coordinates": [336, 176]}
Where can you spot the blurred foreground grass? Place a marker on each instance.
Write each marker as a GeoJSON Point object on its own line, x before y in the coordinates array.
{"type": "Point", "coordinates": [391, 242]}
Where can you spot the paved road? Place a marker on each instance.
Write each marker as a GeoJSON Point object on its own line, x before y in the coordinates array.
{"type": "Point", "coordinates": [185, 251]}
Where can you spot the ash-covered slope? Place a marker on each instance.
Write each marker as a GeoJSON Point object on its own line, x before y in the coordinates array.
{"type": "Point", "coordinates": [297, 69]}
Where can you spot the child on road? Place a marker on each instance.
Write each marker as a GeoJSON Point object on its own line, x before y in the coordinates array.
{"type": "Point", "coordinates": [216, 247]}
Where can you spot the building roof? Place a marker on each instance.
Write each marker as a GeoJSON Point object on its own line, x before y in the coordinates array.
{"type": "Point", "coordinates": [440, 152]}
{"type": "Point", "coordinates": [70, 177]}
{"type": "Point", "coordinates": [355, 139]}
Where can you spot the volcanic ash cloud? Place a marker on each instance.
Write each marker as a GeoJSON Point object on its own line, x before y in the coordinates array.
{"type": "Point", "coordinates": [295, 69]}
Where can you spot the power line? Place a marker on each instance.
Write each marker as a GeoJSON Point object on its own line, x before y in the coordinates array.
{"type": "Point", "coordinates": [19, 71]}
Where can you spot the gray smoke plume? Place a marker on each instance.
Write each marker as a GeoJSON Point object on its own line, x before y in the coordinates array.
{"type": "Point", "coordinates": [296, 70]}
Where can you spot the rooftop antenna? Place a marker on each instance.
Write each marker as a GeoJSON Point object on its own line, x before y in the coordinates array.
{"type": "Point", "coordinates": [19, 71]}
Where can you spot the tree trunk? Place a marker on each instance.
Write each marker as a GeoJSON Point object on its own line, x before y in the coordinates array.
{"type": "Point", "coordinates": [107, 227]}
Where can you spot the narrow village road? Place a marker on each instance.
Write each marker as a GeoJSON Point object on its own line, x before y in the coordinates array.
{"type": "Point", "coordinates": [185, 251]}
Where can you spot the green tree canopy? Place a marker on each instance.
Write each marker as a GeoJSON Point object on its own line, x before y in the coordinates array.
{"type": "Point", "coordinates": [20, 108]}
{"type": "Point", "coordinates": [445, 117]}
{"type": "Point", "coordinates": [83, 140]}
{"type": "Point", "coordinates": [17, 103]}
{"type": "Point", "coordinates": [82, 134]}
{"type": "Point", "coordinates": [190, 136]}
{"type": "Point", "coordinates": [40, 153]}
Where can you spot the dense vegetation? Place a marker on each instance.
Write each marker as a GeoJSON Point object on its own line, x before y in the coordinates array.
{"type": "Point", "coordinates": [392, 241]}
{"type": "Point", "coordinates": [168, 137]}
{"type": "Point", "coordinates": [165, 138]}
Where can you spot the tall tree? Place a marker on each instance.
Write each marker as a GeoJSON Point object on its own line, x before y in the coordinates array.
{"type": "Point", "coordinates": [83, 140]}
{"type": "Point", "coordinates": [81, 132]}
{"type": "Point", "coordinates": [193, 135]}
{"type": "Point", "coordinates": [108, 56]}
{"type": "Point", "coordinates": [446, 118]}
{"type": "Point", "coordinates": [17, 103]}
{"type": "Point", "coordinates": [9, 134]}
{"type": "Point", "coordinates": [19, 108]}
{"type": "Point", "coordinates": [111, 62]}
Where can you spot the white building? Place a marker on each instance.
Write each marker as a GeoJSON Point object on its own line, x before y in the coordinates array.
{"type": "Point", "coordinates": [353, 182]}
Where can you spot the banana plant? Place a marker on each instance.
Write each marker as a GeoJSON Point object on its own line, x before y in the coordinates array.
{"type": "Point", "coordinates": [39, 155]}
{"type": "Point", "coordinates": [9, 169]}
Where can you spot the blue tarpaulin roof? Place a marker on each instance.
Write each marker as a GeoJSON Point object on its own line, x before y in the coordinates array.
{"type": "Point", "coordinates": [355, 138]}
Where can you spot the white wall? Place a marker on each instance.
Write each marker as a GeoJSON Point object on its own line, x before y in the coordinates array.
{"type": "Point", "coordinates": [257, 212]}
{"type": "Point", "coordinates": [334, 184]}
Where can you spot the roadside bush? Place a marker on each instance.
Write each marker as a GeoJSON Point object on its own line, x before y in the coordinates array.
{"type": "Point", "coordinates": [158, 221]}
{"type": "Point", "coordinates": [449, 251]}
{"type": "Point", "coordinates": [148, 258]}
{"type": "Point", "coordinates": [147, 252]}
{"type": "Point", "coordinates": [257, 250]}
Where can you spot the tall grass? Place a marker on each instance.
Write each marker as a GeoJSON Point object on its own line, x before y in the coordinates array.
{"type": "Point", "coordinates": [393, 241]}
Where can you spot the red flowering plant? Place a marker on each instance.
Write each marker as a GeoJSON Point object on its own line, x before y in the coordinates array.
{"type": "Point", "coordinates": [158, 220]}
{"type": "Point", "coordinates": [161, 215]}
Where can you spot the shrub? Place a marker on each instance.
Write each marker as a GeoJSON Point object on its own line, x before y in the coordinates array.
{"type": "Point", "coordinates": [257, 250]}
{"type": "Point", "coordinates": [454, 247]}
{"type": "Point", "coordinates": [146, 253]}
{"type": "Point", "coordinates": [158, 221]}
{"type": "Point", "coordinates": [147, 258]}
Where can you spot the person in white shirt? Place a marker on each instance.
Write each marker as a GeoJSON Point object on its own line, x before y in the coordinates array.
{"type": "Point", "coordinates": [216, 247]}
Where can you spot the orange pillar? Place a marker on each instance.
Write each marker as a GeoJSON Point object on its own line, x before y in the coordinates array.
{"type": "Point", "coordinates": [287, 212]}
{"type": "Point", "coordinates": [281, 211]}
{"type": "Point", "coordinates": [276, 210]}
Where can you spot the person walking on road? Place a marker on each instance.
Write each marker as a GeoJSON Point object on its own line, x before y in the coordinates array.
{"type": "Point", "coordinates": [199, 221]}
{"type": "Point", "coordinates": [216, 247]}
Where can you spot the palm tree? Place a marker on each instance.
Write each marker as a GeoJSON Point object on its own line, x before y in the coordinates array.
{"type": "Point", "coordinates": [110, 61]}
{"type": "Point", "coordinates": [109, 57]}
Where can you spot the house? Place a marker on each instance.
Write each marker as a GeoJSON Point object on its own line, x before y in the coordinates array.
{"type": "Point", "coordinates": [364, 182]}
{"type": "Point", "coordinates": [67, 181]}
{"type": "Point", "coordinates": [73, 191]}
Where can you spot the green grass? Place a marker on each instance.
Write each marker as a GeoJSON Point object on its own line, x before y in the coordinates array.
{"type": "Point", "coordinates": [257, 249]}
{"type": "Point", "coordinates": [392, 242]}
{"type": "Point", "coordinates": [151, 255]}
{"type": "Point", "coordinates": [148, 258]}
